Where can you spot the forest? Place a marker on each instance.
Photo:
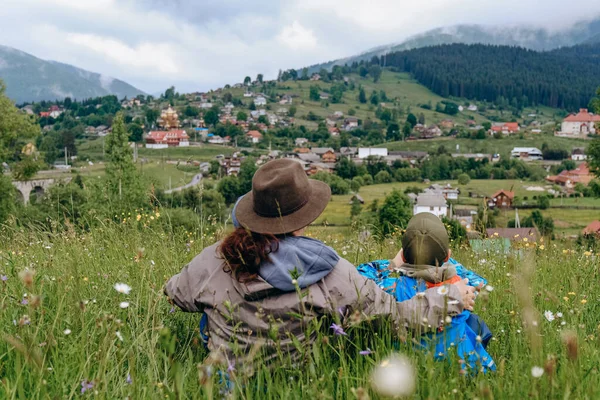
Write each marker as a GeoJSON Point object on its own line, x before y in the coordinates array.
{"type": "Point", "coordinates": [564, 78]}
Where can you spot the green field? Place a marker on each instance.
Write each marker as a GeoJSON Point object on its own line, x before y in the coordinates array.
{"type": "Point", "coordinates": [65, 327]}
{"type": "Point", "coordinates": [568, 221]}
{"type": "Point", "coordinates": [490, 146]}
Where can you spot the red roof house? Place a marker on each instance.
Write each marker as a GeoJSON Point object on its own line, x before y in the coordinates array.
{"type": "Point", "coordinates": [506, 128]}
{"type": "Point", "coordinates": [163, 139]}
{"type": "Point", "coordinates": [592, 229]}
{"type": "Point", "coordinates": [254, 136]}
{"type": "Point", "coordinates": [569, 179]}
{"type": "Point", "coordinates": [503, 198]}
{"type": "Point", "coordinates": [45, 114]}
{"type": "Point", "coordinates": [582, 116]}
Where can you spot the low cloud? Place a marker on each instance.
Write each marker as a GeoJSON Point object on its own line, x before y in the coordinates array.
{"type": "Point", "coordinates": [198, 45]}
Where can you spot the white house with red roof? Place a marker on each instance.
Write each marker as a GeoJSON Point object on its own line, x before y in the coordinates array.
{"type": "Point", "coordinates": [254, 136]}
{"type": "Point", "coordinates": [579, 125]}
{"type": "Point", "coordinates": [164, 139]}
{"type": "Point", "coordinates": [505, 128]}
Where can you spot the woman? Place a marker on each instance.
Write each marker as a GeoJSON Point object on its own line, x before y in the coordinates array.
{"type": "Point", "coordinates": [265, 282]}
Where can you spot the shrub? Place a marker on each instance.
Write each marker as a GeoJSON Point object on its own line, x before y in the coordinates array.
{"type": "Point", "coordinates": [463, 179]}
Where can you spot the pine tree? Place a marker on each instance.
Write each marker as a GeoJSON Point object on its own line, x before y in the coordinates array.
{"type": "Point", "coordinates": [120, 169]}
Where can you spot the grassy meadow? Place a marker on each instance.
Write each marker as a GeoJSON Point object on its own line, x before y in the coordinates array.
{"type": "Point", "coordinates": [67, 333]}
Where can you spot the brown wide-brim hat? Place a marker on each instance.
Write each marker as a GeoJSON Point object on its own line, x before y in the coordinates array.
{"type": "Point", "coordinates": [282, 200]}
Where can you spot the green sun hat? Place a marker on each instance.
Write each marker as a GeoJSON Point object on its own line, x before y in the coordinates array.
{"type": "Point", "coordinates": [425, 241]}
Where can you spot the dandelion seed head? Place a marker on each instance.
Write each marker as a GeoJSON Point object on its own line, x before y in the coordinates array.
{"type": "Point", "coordinates": [537, 372]}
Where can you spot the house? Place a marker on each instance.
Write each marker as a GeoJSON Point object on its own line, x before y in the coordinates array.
{"type": "Point", "coordinates": [350, 123]}
{"type": "Point", "coordinates": [90, 130]}
{"type": "Point", "coordinates": [447, 191]}
{"type": "Point", "coordinates": [505, 128]}
{"type": "Point", "coordinates": [231, 165]}
{"type": "Point", "coordinates": [55, 111]}
{"type": "Point", "coordinates": [321, 150]}
{"type": "Point", "coordinates": [254, 136]}
{"type": "Point", "coordinates": [324, 96]}
{"type": "Point", "coordinates": [348, 151]}
{"type": "Point", "coordinates": [333, 131]}
{"type": "Point", "coordinates": [472, 107]}
{"type": "Point", "coordinates": [592, 229]}
{"type": "Point", "coordinates": [329, 157]}
{"type": "Point", "coordinates": [465, 217]}
{"type": "Point", "coordinates": [569, 179]}
{"type": "Point", "coordinates": [217, 140]}
{"type": "Point", "coordinates": [28, 109]}
{"type": "Point", "coordinates": [430, 132]}
{"type": "Point", "coordinates": [260, 101]}
{"type": "Point", "coordinates": [102, 130]}
{"type": "Point", "coordinates": [320, 167]}
{"type": "Point", "coordinates": [286, 99]}
{"type": "Point", "coordinates": [164, 139]}
{"type": "Point", "coordinates": [332, 120]}
{"type": "Point", "coordinates": [248, 94]}
{"type": "Point", "coordinates": [447, 124]}
{"type": "Point", "coordinates": [45, 114]}
{"type": "Point", "coordinates": [578, 154]}
{"type": "Point", "coordinates": [502, 199]}
{"type": "Point", "coordinates": [579, 125]}
{"type": "Point", "coordinates": [527, 153]}
{"type": "Point", "coordinates": [206, 105]}
{"type": "Point", "coordinates": [309, 158]}
{"type": "Point", "coordinates": [364, 152]}
{"type": "Point", "coordinates": [338, 114]}
{"type": "Point", "coordinates": [315, 77]}
{"type": "Point", "coordinates": [431, 203]}
{"type": "Point", "coordinates": [301, 141]}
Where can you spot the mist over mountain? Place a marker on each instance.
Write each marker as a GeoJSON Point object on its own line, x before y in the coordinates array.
{"type": "Point", "coordinates": [523, 36]}
{"type": "Point", "coordinates": [29, 79]}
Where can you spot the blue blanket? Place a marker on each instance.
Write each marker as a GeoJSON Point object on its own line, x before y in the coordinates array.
{"type": "Point", "coordinates": [464, 329]}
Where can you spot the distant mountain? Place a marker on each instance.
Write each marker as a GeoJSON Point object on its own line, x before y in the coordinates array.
{"type": "Point", "coordinates": [29, 78]}
{"type": "Point", "coordinates": [529, 38]}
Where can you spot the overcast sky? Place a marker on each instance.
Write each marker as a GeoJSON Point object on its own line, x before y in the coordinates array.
{"type": "Point", "coordinates": [204, 44]}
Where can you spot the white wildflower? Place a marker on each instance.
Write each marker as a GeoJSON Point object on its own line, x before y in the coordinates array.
{"type": "Point", "coordinates": [119, 335]}
{"type": "Point", "coordinates": [559, 315]}
{"type": "Point", "coordinates": [549, 315]}
{"type": "Point", "coordinates": [394, 377]}
{"type": "Point", "coordinates": [122, 288]}
{"type": "Point", "coordinates": [124, 304]}
{"type": "Point", "coordinates": [489, 288]}
{"type": "Point", "coordinates": [443, 290]}
{"type": "Point", "coordinates": [537, 372]}
{"type": "Point", "coordinates": [67, 332]}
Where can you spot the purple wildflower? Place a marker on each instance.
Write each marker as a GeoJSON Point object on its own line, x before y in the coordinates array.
{"type": "Point", "coordinates": [342, 311]}
{"type": "Point", "coordinates": [365, 352]}
{"type": "Point", "coordinates": [172, 310]}
{"type": "Point", "coordinates": [24, 302]}
{"type": "Point", "coordinates": [231, 366]}
{"type": "Point", "coordinates": [86, 385]}
{"type": "Point", "coordinates": [3, 278]}
{"type": "Point", "coordinates": [128, 380]}
{"type": "Point", "coordinates": [338, 330]}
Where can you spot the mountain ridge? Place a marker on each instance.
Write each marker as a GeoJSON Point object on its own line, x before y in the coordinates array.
{"type": "Point", "coordinates": [29, 78]}
{"type": "Point", "coordinates": [538, 39]}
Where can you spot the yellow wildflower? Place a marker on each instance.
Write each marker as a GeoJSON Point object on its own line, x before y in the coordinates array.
{"type": "Point", "coordinates": [583, 301]}
{"type": "Point", "coordinates": [542, 247]}
{"type": "Point", "coordinates": [571, 293]}
{"type": "Point", "coordinates": [587, 253]}
{"type": "Point", "coordinates": [566, 298]}
{"type": "Point", "coordinates": [157, 214]}
{"type": "Point", "coordinates": [138, 217]}
{"type": "Point", "coordinates": [525, 239]}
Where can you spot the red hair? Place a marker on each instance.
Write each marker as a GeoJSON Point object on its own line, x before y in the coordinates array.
{"type": "Point", "coordinates": [244, 251]}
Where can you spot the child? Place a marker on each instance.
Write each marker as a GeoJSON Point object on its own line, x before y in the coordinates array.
{"type": "Point", "coordinates": [424, 262]}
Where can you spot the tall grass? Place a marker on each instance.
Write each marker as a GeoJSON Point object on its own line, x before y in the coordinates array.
{"type": "Point", "coordinates": [64, 331]}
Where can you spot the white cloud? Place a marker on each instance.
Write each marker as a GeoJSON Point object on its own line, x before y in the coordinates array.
{"type": "Point", "coordinates": [153, 56]}
{"type": "Point", "coordinates": [196, 45]}
{"type": "Point", "coordinates": [297, 37]}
